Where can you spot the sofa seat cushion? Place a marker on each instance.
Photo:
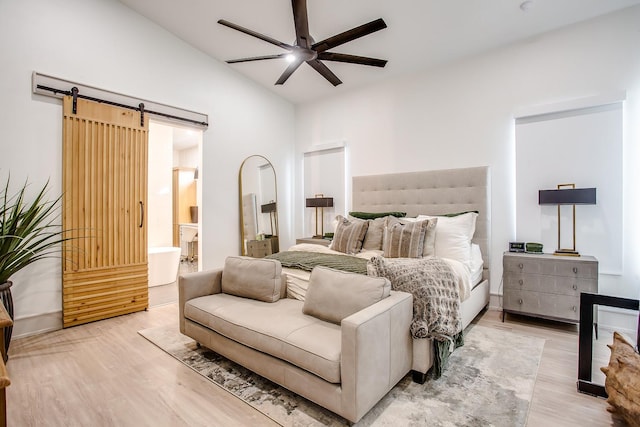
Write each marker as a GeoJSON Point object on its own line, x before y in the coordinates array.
{"type": "Point", "coordinates": [279, 329]}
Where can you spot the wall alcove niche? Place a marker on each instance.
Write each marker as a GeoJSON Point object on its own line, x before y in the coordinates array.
{"type": "Point", "coordinates": [258, 199]}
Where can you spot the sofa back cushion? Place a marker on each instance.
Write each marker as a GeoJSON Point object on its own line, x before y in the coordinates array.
{"type": "Point", "coordinates": [333, 295]}
{"type": "Point", "coordinates": [254, 278]}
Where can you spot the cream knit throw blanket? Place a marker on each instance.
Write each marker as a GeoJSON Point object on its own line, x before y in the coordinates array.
{"type": "Point", "coordinates": [436, 298]}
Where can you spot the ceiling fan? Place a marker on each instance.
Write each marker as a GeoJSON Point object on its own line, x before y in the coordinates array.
{"type": "Point", "coordinates": [307, 50]}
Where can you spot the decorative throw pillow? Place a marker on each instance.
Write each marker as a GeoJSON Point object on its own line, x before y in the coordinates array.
{"type": "Point", "coordinates": [375, 234]}
{"type": "Point", "coordinates": [254, 278]}
{"type": "Point", "coordinates": [453, 236]}
{"type": "Point", "coordinates": [333, 295]}
{"type": "Point", "coordinates": [406, 239]}
{"type": "Point", "coordinates": [374, 215]}
{"type": "Point", "coordinates": [349, 235]}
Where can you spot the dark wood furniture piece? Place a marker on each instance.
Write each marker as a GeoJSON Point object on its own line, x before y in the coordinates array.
{"type": "Point", "coordinates": [585, 339]}
{"type": "Point", "coordinates": [5, 321]}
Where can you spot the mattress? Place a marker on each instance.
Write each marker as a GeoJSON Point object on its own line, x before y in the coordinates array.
{"type": "Point", "coordinates": [467, 276]}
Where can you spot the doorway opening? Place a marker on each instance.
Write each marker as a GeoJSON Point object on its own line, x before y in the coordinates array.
{"type": "Point", "coordinates": [174, 200]}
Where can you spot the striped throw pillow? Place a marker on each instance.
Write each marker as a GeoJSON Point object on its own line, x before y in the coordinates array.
{"type": "Point", "coordinates": [349, 235]}
{"type": "Point", "coordinates": [407, 239]}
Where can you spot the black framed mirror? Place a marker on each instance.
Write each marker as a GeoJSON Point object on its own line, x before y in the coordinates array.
{"type": "Point", "coordinates": [258, 207]}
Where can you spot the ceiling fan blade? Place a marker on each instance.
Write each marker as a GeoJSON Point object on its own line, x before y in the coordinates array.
{"type": "Point", "coordinates": [349, 35]}
{"type": "Point", "coordinates": [301, 21]}
{"type": "Point", "coordinates": [325, 72]}
{"type": "Point", "coordinates": [254, 34]}
{"type": "Point", "coordinates": [257, 58]}
{"type": "Point", "coordinates": [352, 59]}
{"type": "Point", "coordinates": [287, 73]}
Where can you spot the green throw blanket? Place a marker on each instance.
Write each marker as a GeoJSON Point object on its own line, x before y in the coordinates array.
{"type": "Point", "coordinates": [307, 260]}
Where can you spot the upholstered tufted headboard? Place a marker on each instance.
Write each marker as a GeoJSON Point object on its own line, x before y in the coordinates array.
{"type": "Point", "coordinates": [432, 193]}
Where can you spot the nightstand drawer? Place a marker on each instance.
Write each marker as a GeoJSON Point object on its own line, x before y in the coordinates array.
{"type": "Point", "coordinates": [542, 304]}
{"type": "Point", "coordinates": [583, 270]}
{"type": "Point", "coordinates": [549, 284]}
{"type": "Point", "coordinates": [524, 265]}
{"type": "Point", "coordinates": [551, 266]}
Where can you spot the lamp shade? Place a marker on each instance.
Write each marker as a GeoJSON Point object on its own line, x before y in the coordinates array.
{"type": "Point", "coordinates": [320, 202]}
{"type": "Point", "coordinates": [268, 207]}
{"type": "Point", "coordinates": [570, 196]}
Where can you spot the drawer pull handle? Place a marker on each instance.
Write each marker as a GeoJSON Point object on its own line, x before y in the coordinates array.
{"type": "Point", "coordinates": [575, 270]}
{"type": "Point", "coordinates": [520, 301]}
{"type": "Point", "coordinates": [575, 287]}
{"type": "Point", "coordinates": [521, 282]}
{"type": "Point", "coordinates": [575, 308]}
{"type": "Point", "coordinates": [520, 266]}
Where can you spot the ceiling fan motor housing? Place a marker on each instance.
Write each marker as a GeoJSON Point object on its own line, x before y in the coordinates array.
{"type": "Point", "coordinates": [306, 50]}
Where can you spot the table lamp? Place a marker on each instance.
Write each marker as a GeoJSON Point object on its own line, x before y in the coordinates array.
{"type": "Point", "coordinates": [567, 194]}
{"type": "Point", "coordinates": [319, 202]}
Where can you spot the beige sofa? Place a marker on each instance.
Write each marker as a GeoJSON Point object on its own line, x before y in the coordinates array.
{"type": "Point", "coordinates": [343, 348]}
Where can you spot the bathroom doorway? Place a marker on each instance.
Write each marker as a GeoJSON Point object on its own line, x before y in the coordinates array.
{"type": "Point", "coordinates": [174, 200]}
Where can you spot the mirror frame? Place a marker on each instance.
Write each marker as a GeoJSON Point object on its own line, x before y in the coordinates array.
{"type": "Point", "coordinates": [243, 250]}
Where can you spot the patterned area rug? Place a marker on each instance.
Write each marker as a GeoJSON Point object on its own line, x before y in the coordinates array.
{"type": "Point", "coordinates": [489, 382]}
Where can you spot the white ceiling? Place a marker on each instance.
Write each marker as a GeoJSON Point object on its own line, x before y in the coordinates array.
{"type": "Point", "coordinates": [420, 34]}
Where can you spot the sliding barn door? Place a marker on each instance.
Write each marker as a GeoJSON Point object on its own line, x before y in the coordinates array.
{"type": "Point", "coordinates": [104, 198]}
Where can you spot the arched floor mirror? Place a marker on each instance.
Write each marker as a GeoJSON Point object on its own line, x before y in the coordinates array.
{"type": "Point", "coordinates": [258, 207]}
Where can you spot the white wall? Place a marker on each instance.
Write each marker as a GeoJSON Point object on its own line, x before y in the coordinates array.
{"type": "Point", "coordinates": [462, 115]}
{"type": "Point", "coordinates": [104, 44]}
{"type": "Point", "coordinates": [160, 179]}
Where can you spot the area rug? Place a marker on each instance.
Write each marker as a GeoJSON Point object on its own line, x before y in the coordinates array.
{"type": "Point", "coordinates": [489, 382]}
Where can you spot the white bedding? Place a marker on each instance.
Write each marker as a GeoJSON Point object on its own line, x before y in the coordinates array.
{"type": "Point", "coordinates": [298, 280]}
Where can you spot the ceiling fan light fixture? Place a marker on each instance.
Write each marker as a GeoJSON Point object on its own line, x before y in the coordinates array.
{"type": "Point", "coordinates": [290, 57]}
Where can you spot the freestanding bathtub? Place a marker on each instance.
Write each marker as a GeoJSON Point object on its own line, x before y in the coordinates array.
{"type": "Point", "coordinates": [163, 265]}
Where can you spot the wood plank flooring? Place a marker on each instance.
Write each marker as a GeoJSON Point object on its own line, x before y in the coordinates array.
{"type": "Point", "coordinates": [106, 374]}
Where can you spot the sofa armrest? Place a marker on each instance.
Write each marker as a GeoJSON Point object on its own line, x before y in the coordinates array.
{"type": "Point", "coordinates": [194, 285]}
{"type": "Point", "coordinates": [376, 352]}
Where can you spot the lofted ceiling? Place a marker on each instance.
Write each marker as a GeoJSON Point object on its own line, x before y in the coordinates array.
{"type": "Point", "coordinates": [421, 33]}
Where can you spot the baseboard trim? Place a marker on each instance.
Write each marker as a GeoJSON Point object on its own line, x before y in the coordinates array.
{"type": "Point", "coordinates": [36, 324]}
{"type": "Point", "coordinates": [495, 302]}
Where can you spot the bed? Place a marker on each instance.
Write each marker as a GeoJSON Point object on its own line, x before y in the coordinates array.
{"type": "Point", "coordinates": [432, 193]}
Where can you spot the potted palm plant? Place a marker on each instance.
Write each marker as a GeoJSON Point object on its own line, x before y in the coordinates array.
{"type": "Point", "coordinates": [28, 233]}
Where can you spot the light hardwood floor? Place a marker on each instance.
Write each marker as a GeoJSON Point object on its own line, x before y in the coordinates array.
{"type": "Point", "coordinates": [106, 374]}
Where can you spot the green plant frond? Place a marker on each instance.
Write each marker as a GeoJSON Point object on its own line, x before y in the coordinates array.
{"type": "Point", "coordinates": [28, 229]}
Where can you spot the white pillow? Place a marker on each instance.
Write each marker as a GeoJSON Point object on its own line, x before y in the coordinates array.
{"type": "Point", "coordinates": [453, 236]}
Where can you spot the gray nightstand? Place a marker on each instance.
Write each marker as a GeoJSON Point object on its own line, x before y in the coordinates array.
{"type": "Point", "coordinates": [547, 286]}
{"type": "Point", "coordinates": [323, 242]}
{"type": "Point", "coordinates": [262, 248]}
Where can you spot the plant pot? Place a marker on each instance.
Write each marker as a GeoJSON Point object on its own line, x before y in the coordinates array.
{"type": "Point", "coordinates": [7, 301]}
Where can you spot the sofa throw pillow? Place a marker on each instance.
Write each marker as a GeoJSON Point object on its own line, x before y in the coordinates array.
{"type": "Point", "coordinates": [349, 235]}
{"type": "Point", "coordinates": [407, 239]}
{"type": "Point", "coordinates": [375, 233]}
{"type": "Point", "coordinates": [254, 278]}
{"type": "Point", "coordinates": [333, 295]}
